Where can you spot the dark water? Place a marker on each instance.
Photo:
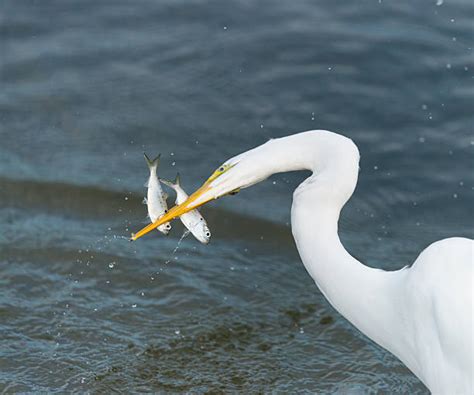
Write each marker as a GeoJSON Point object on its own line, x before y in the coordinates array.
{"type": "Point", "coordinates": [87, 86]}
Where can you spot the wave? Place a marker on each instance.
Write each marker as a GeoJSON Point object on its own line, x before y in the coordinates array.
{"type": "Point", "coordinates": [93, 203]}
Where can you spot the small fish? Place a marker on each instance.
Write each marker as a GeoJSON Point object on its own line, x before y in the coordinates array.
{"type": "Point", "coordinates": [156, 198]}
{"type": "Point", "coordinates": [193, 220]}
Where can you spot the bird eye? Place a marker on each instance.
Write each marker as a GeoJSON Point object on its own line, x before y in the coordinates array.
{"type": "Point", "coordinates": [208, 234]}
{"type": "Point", "coordinates": [168, 226]}
{"type": "Point", "coordinates": [221, 168]}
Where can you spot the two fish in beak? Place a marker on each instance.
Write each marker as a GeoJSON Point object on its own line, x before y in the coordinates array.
{"type": "Point", "coordinates": [203, 195]}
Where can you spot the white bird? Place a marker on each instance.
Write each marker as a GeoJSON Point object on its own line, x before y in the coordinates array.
{"type": "Point", "coordinates": [423, 314]}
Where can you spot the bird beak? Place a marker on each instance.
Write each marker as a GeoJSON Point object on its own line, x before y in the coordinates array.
{"type": "Point", "coordinates": [197, 199]}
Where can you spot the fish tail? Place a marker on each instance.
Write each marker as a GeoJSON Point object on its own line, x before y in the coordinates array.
{"type": "Point", "coordinates": [172, 184]}
{"type": "Point", "coordinates": [167, 183]}
{"type": "Point", "coordinates": [152, 163]}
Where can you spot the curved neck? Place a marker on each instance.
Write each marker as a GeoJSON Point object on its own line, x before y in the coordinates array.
{"type": "Point", "coordinates": [363, 295]}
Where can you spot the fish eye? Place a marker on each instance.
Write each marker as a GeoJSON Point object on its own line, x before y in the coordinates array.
{"type": "Point", "coordinates": [201, 219]}
{"type": "Point", "coordinates": [208, 234]}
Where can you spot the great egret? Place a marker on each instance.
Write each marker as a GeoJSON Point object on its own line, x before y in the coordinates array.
{"type": "Point", "coordinates": [423, 314]}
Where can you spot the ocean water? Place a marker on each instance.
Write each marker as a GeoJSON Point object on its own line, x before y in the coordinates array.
{"type": "Point", "coordinates": [88, 86]}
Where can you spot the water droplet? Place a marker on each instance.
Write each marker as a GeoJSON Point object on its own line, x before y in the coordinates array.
{"type": "Point", "coordinates": [112, 265]}
{"type": "Point", "coordinates": [134, 305]}
{"type": "Point", "coordinates": [177, 332]}
{"type": "Point", "coordinates": [455, 195]}
{"type": "Point", "coordinates": [225, 27]}
{"type": "Point", "coordinates": [421, 140]}
{"type": "Point", "coordinates": [376, 167]}
{"type": "Point", "coordinates": [448, 66]}
{"type": "Point", "coordinates": [439, 2]}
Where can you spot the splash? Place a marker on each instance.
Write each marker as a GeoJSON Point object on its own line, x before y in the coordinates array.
{"type": "Point", "coordinates": [173, 253]}
{"type": "Point", "coordinates": [183, 236]}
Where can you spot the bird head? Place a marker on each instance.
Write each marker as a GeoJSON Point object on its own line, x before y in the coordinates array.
{"type": "Point", "coordinates": [236, 173]}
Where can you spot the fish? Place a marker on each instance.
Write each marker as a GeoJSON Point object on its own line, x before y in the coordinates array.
{"type": "Point", "coordinates": [156, 198]}
{"type": "Point", "coordinates": [192, 220]}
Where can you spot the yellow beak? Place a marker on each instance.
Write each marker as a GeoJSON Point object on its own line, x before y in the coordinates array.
{"type": "Point", "coordinates": [179, 210]}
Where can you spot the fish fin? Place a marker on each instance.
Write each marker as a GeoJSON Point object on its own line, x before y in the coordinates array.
{"type": "Point", "coordinates": [144, 201]}
{"type": "Point", "coordinates": [177, 180]}
{"type": "Point", "coordinates": [152, 163]}
{"type": "Point", "coordinates": [166, 182]}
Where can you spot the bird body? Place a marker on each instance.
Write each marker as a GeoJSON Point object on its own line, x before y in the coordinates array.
{"type": "Point", "coordinates": [423, 313]}
{"type": "Point", "coordinates": [439, 316]}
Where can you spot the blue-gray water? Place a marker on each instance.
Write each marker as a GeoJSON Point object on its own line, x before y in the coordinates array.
{"type": "Point", "coordinates": [87, 86]}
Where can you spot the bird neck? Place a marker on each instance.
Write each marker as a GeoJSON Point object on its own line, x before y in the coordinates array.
{"type": "Point", "coordinates": [363, 295]}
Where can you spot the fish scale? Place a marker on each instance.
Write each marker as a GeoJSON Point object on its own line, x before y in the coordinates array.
{"type": "Point", "coordinates": [156, 198]}
{"type": "Point", "coordinates": [192, 220]}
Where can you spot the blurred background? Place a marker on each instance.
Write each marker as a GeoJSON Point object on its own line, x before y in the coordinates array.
{"type": "Point", "coordinates": [88, 86]}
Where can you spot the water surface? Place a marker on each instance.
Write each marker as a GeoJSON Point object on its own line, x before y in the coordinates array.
{"type": "Point", "coordinates": [87, 86]}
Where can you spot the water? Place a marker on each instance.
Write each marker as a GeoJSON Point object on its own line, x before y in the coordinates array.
{"type": "Point", "coordinates": [87, 86]}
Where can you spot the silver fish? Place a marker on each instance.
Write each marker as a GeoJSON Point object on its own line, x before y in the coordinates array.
{"type": "Point", "coordinates": [192, 220]}
{"type": "Point", "coordinates": [156, 198]}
